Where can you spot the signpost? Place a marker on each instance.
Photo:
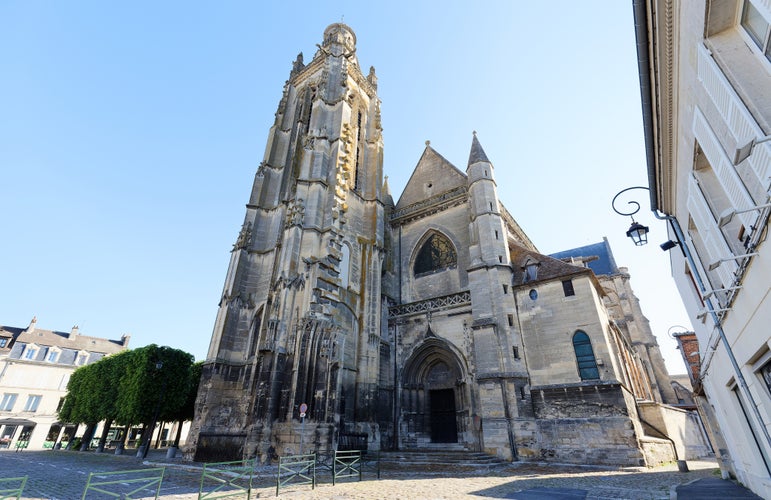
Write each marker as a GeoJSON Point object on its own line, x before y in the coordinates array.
{"type": "Point", "coordinates": [303, 409]}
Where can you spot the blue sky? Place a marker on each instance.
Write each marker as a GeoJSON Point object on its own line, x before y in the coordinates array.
{"type": "Point", "coordinates": [130, 133]}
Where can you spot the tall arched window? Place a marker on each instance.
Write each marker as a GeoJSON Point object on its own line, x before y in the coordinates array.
{"type": "Point", "coordinates": [587, 364]}
{"type": "Point", "coordinates": [436, 254]}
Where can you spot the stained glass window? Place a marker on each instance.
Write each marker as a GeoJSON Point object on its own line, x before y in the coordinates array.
{"type": "Point", "coordinates": [437, 253]}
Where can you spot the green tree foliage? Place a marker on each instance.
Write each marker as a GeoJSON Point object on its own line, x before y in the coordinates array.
{"type": "Point", "coordinates": [187, 411]}
{"type": "Point", "coordinates": [132, 387]}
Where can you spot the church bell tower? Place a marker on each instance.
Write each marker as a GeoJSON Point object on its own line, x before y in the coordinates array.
{"type": "Point", "coordinates": [298, 321]}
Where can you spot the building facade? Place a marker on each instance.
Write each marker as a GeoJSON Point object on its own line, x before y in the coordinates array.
{"type": "Point", "coordinates": [35, 367]}
{"type": "Point", "coordinates": [348, 319]}
{"type": "Point", "coordinates": [705, 74]}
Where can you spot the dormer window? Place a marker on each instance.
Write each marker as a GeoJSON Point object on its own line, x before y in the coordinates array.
{"type": "Point", "coordinates": [53, 355]}
{"type": "Point", "coordinates": [81, 359]}
{"type": "Point", "coordinates": [531, 270]}
{"type": "Point", "coordinates": [30, 352]}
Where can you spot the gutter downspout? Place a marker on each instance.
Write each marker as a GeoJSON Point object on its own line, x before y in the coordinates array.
{"type": "Point", "coordinates": [644, 69]}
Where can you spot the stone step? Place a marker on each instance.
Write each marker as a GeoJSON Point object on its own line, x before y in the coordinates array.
{"type": "Point", "coordinates": [440, 457]}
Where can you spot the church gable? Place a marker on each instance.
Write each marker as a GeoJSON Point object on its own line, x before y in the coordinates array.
{"type": "Point", "coordinates": [433, 175]}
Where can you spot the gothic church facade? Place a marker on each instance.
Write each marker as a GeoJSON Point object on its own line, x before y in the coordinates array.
{"type": "Point", "coordinates": [347, 319]}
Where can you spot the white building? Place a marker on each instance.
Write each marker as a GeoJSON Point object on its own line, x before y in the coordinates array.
{"type": "Point", "coordinates": [35, 366]}
{"type": "Point", "coordinates": [705, 74]}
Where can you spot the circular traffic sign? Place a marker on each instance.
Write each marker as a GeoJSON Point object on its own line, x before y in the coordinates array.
{"type": "Point", "coordinates": [303, 408]}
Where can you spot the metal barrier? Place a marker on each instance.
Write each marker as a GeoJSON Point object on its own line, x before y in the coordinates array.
{"type": "Point", "coordinates": [347, 464]}
{"type": "Point", "coordinates": [118, 482]}
{"type": "Point", "coordinates": [235, 476]}
{"type": "Point", "coordinates": [297, 470]}
{"type": "Point", "coordinates": [371, 460]}
{"type": "Point", "coordinates": [12, 487]}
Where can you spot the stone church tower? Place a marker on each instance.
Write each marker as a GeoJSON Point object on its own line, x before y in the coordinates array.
{"type": "Point", "coordinates": [348, 320]}
{"type": "Point", "coordinates": [299, 320]}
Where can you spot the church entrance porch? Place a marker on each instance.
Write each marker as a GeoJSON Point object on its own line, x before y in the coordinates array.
{"type": "Point", "coordinates": [434, 399]}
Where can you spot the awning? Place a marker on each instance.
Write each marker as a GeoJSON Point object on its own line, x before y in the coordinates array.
{"type": "Point", "coordinates": [16, 421]}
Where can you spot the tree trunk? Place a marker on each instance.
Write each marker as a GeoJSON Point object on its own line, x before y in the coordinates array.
{"type": "Point", "coordinates": [122, 441]}
{"type": "Point", "coordinates": [160, 435]}
{"type": "Point", "coordinates": [103, 438]}
{"type": "Point", "coordinates": [179, 434]}
{"type": "Point", "coordinates": [87, 435]}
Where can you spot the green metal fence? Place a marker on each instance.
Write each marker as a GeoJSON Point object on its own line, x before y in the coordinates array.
{"type": "Point", "coordinates": [371, 460]}
{"type": "Point", "coordinates": [12, 487]}
{"type": "Point", "coordinates": [119, 484]}
{"type": "Point", "coordinates": [230, 479]}
{"type": "Point", "coordinates": [346, 464]}
{"type": "Point", "coordinates": [296, 470]}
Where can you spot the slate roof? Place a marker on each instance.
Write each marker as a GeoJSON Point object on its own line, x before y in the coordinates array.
{"type": "Point", "coordinates": [477, 154]}
{"type": "Point", "coordinates": [549, 268]}
{"type": "Point", "coordinates": [64, 340]}
{"type": "Point", "coordinates": [605, 264]}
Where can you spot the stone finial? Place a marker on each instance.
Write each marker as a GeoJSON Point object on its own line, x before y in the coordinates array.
{"type": "Point", "coordinates": [297, 65]}
{"type": "Point", "coordinates": [428, 143]}
{"type": "Point", "coordinates": [372, 77]}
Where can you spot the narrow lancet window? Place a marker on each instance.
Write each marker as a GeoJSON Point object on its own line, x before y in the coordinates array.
{"type": "Point", "coordinates": [587, 364]}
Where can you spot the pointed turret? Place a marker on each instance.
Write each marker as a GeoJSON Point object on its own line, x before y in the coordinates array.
{"type": "Point", "coordinates": [477, 153]}
{"type": "Point", "coordinates": [489, 245]}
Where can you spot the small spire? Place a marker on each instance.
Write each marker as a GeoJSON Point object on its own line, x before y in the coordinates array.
{"type": "Point", "coordinates": [372, 77]}
{"type": "Point", "coordinates": [477, 153]}
{"type": "Point", "coordinates": [386, 188]}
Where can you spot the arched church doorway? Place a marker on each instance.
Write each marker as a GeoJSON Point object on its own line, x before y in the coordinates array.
{"type": "Point", "coordinates": [444, 428]}
{"type": "Point", "coordinates": [434, 401]}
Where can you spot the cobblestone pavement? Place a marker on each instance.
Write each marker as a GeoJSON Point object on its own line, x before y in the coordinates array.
{"type": "Point", "coordinates": [62, 475]}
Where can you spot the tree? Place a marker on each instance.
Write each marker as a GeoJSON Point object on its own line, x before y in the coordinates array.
{"type": "Point", "coordinates": [187, 411]}
{"type": "Point", "coordinates": [131, 387]}
{"type": "Point", "coordinates": [82, 405]}
{"type": "Point", "coordinates": [155, 385]}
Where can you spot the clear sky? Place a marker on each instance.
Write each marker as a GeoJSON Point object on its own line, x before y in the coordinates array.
{"type": "Point", "coordinates": [130, 133]}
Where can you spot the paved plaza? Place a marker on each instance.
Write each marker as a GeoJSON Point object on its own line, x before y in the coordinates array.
{"type": "Point", "coordinates": [62, 475]}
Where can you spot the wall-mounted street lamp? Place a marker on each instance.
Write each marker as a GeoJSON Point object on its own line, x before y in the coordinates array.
{"type": "Point", "coordinates": [744, 152]}
{"type": "Point", "coordinates": [637, 231]}
{"type": "Point", "coordinates": [709, 308]}
{"type": "Point", "coordinates": [668, 245]}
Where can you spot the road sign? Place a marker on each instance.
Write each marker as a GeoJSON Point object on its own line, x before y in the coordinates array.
{"type": "Point", "coordinates": [303, 408]}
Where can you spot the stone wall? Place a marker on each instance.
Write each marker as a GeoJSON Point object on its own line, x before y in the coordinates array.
{"type": "Point", "coordinates": [584, 423]}
{"type": "Point", "coordinates": [682, 426]}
